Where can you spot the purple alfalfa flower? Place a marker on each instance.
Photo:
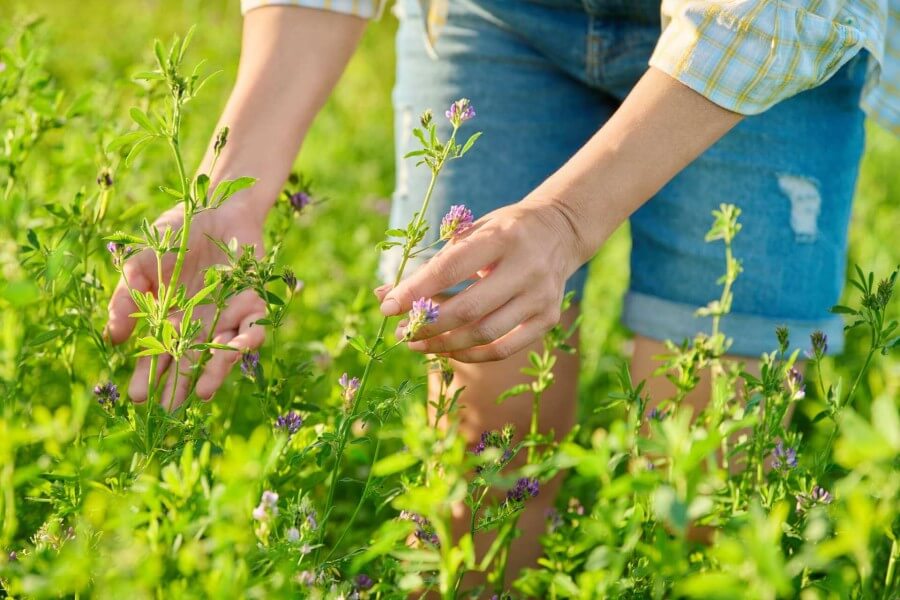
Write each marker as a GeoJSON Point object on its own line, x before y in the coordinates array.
{"type": "Point", "coordinates": [349, 387]}
{"type": "Point", "coordinates": [525, 488]}
{"type": "Point", "coordinates": [306, 578]}
{"type": "Point", "coordinates": [424, 312]}
{"type": "Point", "coordinates": [289, 422]}
{"type": "Point", "coordinates": [300, 200]}
{"type": "Point", "coordinates": [363, 582]}
{"type": "Point", "coordinates": [293, 535]}
{"type": "Point", "coordinates": [654, 414]}
{"type": "Point", "coordinates": [424, 530]}
{"type": "Point", "coordinates": [460, 112]}
{"type": "Point", "coordinates": [268, 506]}
{"type": "Point", "coordinates": [818, 495]}
{"type": "Point", "coordinates": [113, 248]}
{"type": "Point", "coordinates": [821, 495]}
{"type": "Point", "coordinates": [311, 521]}
{"type": "Point", "coordinates": [785, 457]}
{"type": "Point", "coordinates": [250, 364]}
{"type": "Point", "coordinates": [107, 394]}
{"type": "Point", "coordinates": [795, 385]}
{"type": "Point", "coordinates": [457, 220]}
{"type": "Point", "coordinates": [483, 443]}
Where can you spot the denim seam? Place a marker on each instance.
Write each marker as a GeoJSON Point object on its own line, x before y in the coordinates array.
{"type": "Point", "coordinates": [592, 58]}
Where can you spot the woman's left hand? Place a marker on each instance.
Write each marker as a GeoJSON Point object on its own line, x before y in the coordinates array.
{"type": "Point", "coordinates": [520, 257]}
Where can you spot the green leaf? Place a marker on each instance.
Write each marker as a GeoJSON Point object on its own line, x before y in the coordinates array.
{"type": "Point", "coordinates": [359, 343]}
{"type": "Point", "coordinates": [840, 309]}
{"type": "Point", "coordinates": [394, 464]}
{"type": "Point", "coordinates": [174, 193]}
{"type": "Point", "coordinates": [226, 189]}
{"type": "Point", "coordinates": [137, 149]}
{"type": "Point", "coordinates": [152, 345]}
{"type": "Point", "coordinates": [141, 118]}
{"type": "Point", "coordinates": [472, 139]}
{"type": "Point", "coordinates": [124, 140]}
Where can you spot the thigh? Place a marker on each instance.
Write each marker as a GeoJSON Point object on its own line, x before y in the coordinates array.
{"type": "Point", "coordinates": [792, 170]}
{"type": "Point", "coordinates": [533, 116]}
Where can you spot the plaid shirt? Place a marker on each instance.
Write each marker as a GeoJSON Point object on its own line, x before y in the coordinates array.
{"type": "Point", "coordinates": [745, 55]}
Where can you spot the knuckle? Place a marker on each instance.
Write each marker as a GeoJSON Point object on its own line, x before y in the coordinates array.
{"type": "Point", "coordinates": [501, 352]}
{"type": "Point", "coordinates": [483, 333]}
{"type": "Point", "coordinates": [467, 310]}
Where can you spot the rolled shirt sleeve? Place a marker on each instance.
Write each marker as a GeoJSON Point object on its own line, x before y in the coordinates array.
{"type": "Point", "coordinates": [367, 9]}
{"type": "Point", "coordinates": [746, 55]}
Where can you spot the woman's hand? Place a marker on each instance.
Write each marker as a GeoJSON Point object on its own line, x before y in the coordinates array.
{"type": "Point", "coordinates": [235, 326]}
{"type": "Point", "coordinates": [520, 257]}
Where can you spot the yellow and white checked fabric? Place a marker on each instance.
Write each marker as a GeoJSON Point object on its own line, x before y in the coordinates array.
{"type": "Point", "coordinates": [744, 55]}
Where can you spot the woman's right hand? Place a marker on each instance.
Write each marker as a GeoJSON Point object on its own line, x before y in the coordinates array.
{"type": "Point", "coordinates": [235, 220]}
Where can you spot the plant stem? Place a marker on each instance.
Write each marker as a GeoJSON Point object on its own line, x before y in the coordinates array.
{"type": "Point", "coordinates": [379, 337]}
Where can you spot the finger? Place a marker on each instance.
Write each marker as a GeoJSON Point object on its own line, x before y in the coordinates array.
{"type": "Point", "coordinates": [381, 291]}
{"type": "Point", "coordinates": [137, 388]}
{"type": "Point", "coordinates": [452, 265]}
{"type": "Point", "coordinates": [515, 341]}
{"type": "Point", "coordinates": [217, 367]}
{"type": "Point", "coordinates": [177, 385]}
{"type": "Point", "coordinates": [249, 337]}
{"type": "Point", "coordinates": [400, 331]}
{"type": "Point", "coordinates": [119, 324]}
{"type": "Point", "coordinates": [245, 303]}
{"type": "Point", "coordinates": [492, 327]}
{"type": "Point", "coordinates": [476, 302]}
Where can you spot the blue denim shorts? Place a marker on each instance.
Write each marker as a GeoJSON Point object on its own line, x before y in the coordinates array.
{"type": "Point", "coordinates": [544, 75]}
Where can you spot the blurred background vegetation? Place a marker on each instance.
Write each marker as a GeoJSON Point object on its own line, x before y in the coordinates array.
{"type": "Point", "coordinates": [95, 45]}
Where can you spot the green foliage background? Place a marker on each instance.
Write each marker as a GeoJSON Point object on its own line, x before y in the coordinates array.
{"type": "Point", "coordinates": [92, 48]}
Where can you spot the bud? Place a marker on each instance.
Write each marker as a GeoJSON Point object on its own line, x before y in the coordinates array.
{"type": "Point", "coordinates": [781, 332]}
{"type": "Point", "coordinates": [221, 140]}
{"type": "Point", "coordinates": [105, 179]}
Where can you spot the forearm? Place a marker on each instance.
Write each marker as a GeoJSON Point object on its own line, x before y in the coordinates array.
{"type": "Point", "coordinates": [291, 58]}
{"type": "Point", "coordinates": [660, 128]}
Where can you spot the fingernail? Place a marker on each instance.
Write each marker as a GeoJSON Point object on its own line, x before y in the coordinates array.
{"type": "Point", "coordinates": [390, 307]}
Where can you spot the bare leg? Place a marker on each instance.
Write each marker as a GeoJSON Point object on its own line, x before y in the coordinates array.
{"type": "Point", "coordinates": [483, 383]}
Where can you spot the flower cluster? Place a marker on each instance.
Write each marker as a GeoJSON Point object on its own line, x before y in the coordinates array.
{"type": "Point", "coordinates": [424, 531]}
{"type": "Point", "coordinates": [424, 312]}
{"type": "Point", "coordinates": [500, 440]}
{"type": "Point", "coordinates": [460, 112]}
{"type": "Point", "coordinates": [289, 422]}
{"type": "Point", "coordinates": [525, 488]}
{"type": "Point", "coordinates": [250, 364]}
{"type": "Point", "coordinates": [268, 506]}
{"type": "Point", "coordinates": [785, 457]}
{"type": "Point", "coordinates": [107, 394]}
{"type": "Point", "coordinates": [363, 582]}
{"type": "Point", "coordinates": [349, 387]}
{"type": "Point", "coordinates": [118, 252]}
{"type": "Point", "coordinates": [818, 495]}
{"type": "Point", "coordinates": [298, 193]}
{"type": "Point", "coordinates": [795, 386]}
{"type": "Point", "coordinates": [457, 220]}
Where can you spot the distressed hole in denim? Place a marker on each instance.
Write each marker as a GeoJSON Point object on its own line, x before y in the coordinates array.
{"type": "Point", "coordinates": [806, 204]}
